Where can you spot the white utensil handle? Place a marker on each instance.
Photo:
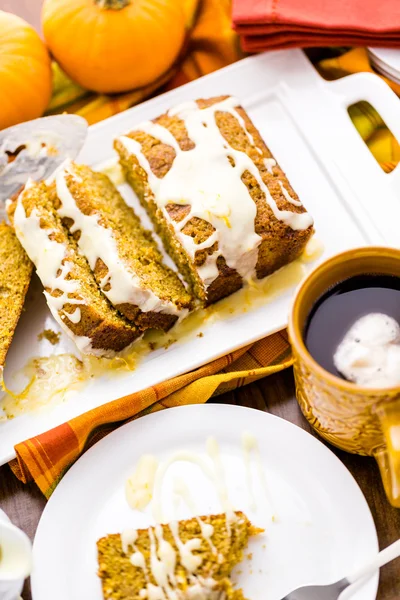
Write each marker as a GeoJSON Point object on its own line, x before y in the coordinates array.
{"type": "Point", "coordinates": [385, 556]}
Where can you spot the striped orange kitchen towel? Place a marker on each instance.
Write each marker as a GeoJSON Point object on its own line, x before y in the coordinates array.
{"type": "Point", "coordinates": [45, 458]}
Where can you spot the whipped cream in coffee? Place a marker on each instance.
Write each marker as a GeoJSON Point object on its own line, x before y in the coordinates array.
{"type": "Point", "coordinates": [369, 353]}
{"type": "Point", "coordinates": [353, 330]}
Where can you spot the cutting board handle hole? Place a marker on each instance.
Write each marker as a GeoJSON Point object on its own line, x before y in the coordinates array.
{"type": "Point", "coordinates": [378, 138]}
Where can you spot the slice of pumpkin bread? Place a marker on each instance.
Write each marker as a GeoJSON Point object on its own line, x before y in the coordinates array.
{"type": "Point", "coordinates": [72, 294]}
{"type": "Point", "coordinates": [223, 207]}
{"type": "Point", "coordinates": [123, 256]}
{"type": "Point", "coordinates": [194, 558]}
{"type": "Point", "coordinates": [15, 276]}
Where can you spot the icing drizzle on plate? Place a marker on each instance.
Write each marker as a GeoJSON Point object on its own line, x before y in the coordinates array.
{"type": "Point", "coordinates": [163, 556]}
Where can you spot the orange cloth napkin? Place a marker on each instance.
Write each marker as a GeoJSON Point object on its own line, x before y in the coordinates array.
{"type": "Point", "coordinates": [45, 458]}
{"type": "Point", "coordinates": [271, 24]}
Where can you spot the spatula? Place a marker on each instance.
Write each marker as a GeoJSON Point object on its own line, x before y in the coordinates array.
{"type": "Point", "coordinates": [36, 148]}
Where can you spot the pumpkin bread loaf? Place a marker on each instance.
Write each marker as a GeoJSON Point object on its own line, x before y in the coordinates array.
{"type": "Point", "coordinates": [15, 276]}
{"type": "Point", "coordinates": [71, 291]}
{"type": "Point", "coordinates": [216, 546]}
{"type": "Point", "coordinates": [123, 256]}
{"type": "Point", "coordinates": [222, 206]}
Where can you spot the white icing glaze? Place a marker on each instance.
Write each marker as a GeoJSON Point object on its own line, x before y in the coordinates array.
{"type": "Point", "coordinates": [214, 472]}
{"type": "Point", "coordinates": [313, 250]}
{"type": "Point", "coordinates": [98, 242]}
{"type": "Point", "coordinates": [189, 561]}
{"type": "Point", "coordinates": [247, 445]}
{"type": "Point", "coordinates": [204, 589]}
{"type": "Point", "coordinates": [270, 163]}
{"type": "Point", "coordinates": [160, 133]}
{"type": "Point", "coordinates": [154, 592]}
{"type": "Point", "coordinates": [157, 567]}
{"type": "Point", "coordinates": [52, 178]}
{"type": "Point", "coordinates": [137, 559]}
{"type": "Point", "coordinates": [84, 344]}
{"type": "Point", "coordinates": [112, 168]}
{"type": "Point", "coordinates": [250, 446]}
{"type": "Point", "coordinates": [163, 556]}
{"type": "Point", "coordinates": [48, 255]}
{"type": "Point", "coordinates": [207, 530]}
{"type": "Point", "coordinates": [163, 559]}
{"type": "Point", "coordinates": [139, 487]}
{"type": "Point", "coordinates": [166, 554]}
{"type": "Point", "coordinates": [163, 563]}
{"type": "Point", "coordinates": [288, 196]}
{"type": "Point", "coordinates": [181, 490]}
{"type": "Point", "coordinates": [214, 453]}
{"type": "Point", "coordinates": [204, 179]}
{"type": "Point", "coordinates": [182, 455]}
{"type": "Point", "coordinates": [74, 317]}
{"type": "Point", "coordinates": [128, 538]}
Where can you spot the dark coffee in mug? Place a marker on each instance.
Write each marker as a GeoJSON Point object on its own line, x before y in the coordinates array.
{"type": "Point", "coordinates": [353, 330]}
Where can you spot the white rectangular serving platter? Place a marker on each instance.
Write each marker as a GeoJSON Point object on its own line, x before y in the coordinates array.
{"type": "Point", "coordinates": [304, 121]}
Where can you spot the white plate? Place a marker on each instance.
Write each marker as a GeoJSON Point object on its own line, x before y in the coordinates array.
{"type": "Point", "coordinates": [324, 527]}
{"type": "Point", "coordinates": [386, 60]}
{"type": "Point", "coordinates": [304, 121]}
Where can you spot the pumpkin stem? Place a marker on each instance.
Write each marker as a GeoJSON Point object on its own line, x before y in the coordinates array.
{"type": "Point", "coordinates": [112, 4]}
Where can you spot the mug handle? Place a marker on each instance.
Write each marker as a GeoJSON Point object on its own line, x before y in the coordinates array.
{"type": "Point", "coordinates": [388, 456]}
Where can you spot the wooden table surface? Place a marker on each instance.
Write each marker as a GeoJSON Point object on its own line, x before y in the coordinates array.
{"type": "Point", "coordinates": [24, 503]}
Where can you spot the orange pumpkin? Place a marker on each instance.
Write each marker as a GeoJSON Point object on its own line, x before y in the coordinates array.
{"type": "Point", "coordinates": [114, 45]}
{"type": "Point", "coordinates": [25, 72]}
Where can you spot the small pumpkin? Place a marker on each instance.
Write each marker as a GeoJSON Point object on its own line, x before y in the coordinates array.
{"type": "Point", "coordinates": [114, 45]}
{"type": "Point", "coordinates": [25, 72]}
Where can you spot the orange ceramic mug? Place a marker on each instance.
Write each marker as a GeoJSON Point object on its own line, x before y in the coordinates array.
{"type": "Point", "coordinates": [357, 419]}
